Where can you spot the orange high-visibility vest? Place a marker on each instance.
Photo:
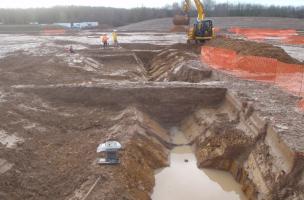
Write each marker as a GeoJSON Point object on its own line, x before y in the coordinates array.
{"type": "Point", "coordinates": [104, 38]}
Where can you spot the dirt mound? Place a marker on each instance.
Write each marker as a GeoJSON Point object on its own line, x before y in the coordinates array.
{"type": "Point", "coordinates": [181, 20]}
{"type": "Point", "coordinates": [190, 71]}
{"type": "Point", "coordinates": [252, 48]}
{"type": "Point", "coordinates": [176, 65]}
{"type": "Point", "coordinates": [179, 29]}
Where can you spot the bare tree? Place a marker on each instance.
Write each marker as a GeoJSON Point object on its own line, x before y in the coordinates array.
{"type": "Point", "coordinates": [118, 17]}
{"type": "Point", "coordinates": [209, 4]}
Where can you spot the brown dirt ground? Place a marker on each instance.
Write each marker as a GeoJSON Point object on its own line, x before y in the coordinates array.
{"type": "Point", "coordinates": [58, 155]}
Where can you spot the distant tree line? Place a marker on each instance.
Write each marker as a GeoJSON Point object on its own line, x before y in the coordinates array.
{"type": "Point", "coordinates": [226, 9]}
{"type": "Point", "coordinates": [119, 16]}
{"type": "Point", "coordinates": [104, 15]}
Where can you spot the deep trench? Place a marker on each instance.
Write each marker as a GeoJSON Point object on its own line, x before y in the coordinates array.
{"type": "Point", "coordinates": [184, 180]}
{"type": "Point", "coordinates": [225, 133]}
{"type": "Point", "coordinates": [250, 146]}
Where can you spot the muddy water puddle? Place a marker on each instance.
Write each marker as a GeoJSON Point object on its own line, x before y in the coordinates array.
{"type": "Point", "coordinates": [184, 180]}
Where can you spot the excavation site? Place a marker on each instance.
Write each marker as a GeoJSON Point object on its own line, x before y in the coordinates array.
{"type": "Point", "coordinates": [148, 120]}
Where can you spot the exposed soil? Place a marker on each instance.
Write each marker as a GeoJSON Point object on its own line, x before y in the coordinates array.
{"type": "Point", "coordinates": [251, 48]}
{"type": "Point", "coordinates": [174, 65]}
{"type": "Point", "coordinates": [59, 107]}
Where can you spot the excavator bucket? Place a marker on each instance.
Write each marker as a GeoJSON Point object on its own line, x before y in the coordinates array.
{"type": "Point", "coordinates": [181, 20]}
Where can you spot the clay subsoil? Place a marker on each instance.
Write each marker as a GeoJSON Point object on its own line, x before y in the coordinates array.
{"type": "Point", "coordinates": [57, 108]}
{"type": "Point", "coordinates": [252, 48]}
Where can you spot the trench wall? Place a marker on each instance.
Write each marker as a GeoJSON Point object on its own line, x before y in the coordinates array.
{"type": "Point", "coordinates": [234, 138]}
{"type": "Point", "coordinates": [167, 103]}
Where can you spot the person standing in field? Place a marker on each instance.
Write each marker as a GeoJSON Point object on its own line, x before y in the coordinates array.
{"type": "Point", "coordinates": [104, 40]}
{"type": "Point", "coordinates": [71, 50]}
{"type": "Point", "coordinates": [101, 42]}
{"type": "Point", "coordinates": [115, 40]}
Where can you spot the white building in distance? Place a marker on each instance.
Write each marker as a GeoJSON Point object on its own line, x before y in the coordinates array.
{"type": "Point", "coordinates": [79, 25]}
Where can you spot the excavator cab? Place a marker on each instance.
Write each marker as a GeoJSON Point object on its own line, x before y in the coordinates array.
{"type": "Point", "coordinates": [201, 31]}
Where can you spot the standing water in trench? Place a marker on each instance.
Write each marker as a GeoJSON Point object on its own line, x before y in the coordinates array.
{"type": "Point", "coordinates": [184, 180]}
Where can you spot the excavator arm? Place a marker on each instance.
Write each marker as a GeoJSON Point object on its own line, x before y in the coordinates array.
{"type": "Point", "coordinates": [186, 6]}
{"type": "Point", "coordinates": [199, 7]}
{"type": "Point", "coordinates": [200, 10]}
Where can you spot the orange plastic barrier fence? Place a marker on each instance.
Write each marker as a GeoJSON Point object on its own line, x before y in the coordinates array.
{"type": "Point", "coordinates": [250, 67]}
{"type": "Point", "coordinates": [262, 31]}
{"type": "Point", "coordinates": [290, 77]}
{"type": "Point", "coordinates": [289, 36]}
{"type": "Point", "coordinates": [53, 32]}
{"type": "Point", "coordinates": [217, 29]}
{"type": "Point", "coordinates": [301, 105]}
{"type": "Point", "coordinates": [296, 39]}
{"type": "Point", "coordinates": [225, 60]}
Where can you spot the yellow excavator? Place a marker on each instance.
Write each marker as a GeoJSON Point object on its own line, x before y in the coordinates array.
{"type": "Point", "coordinates": [202, 29]}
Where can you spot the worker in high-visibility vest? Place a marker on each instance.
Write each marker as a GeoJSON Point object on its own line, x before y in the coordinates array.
{"type": "Point", "coordinates": [115, 40]}
{"type": "Point", "coordinates": [104, 40]}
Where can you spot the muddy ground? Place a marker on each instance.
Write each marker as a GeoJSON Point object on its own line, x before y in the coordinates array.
{"type": "Point", "coordinates": [56, 107]}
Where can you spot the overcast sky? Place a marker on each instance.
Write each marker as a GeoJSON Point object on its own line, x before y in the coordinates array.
{"type": "Point", "coordinates": [126, 3]}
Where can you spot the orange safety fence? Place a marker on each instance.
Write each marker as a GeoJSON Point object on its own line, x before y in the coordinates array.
{"type": "Point", "coordinates": [262, 31]}
{"type": "Point", "coordinates": [217, 29]}
{"type": "Point", "coordinates": [226, 59]}
{"type": "Point", "coordinates": [295, 39]}
{"type": "Point", "coordinates": [301, 104]}
{"type": "Point", "coordinates": [289, 77]}
{"type": "Point", "coordinates": [288, 36]}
